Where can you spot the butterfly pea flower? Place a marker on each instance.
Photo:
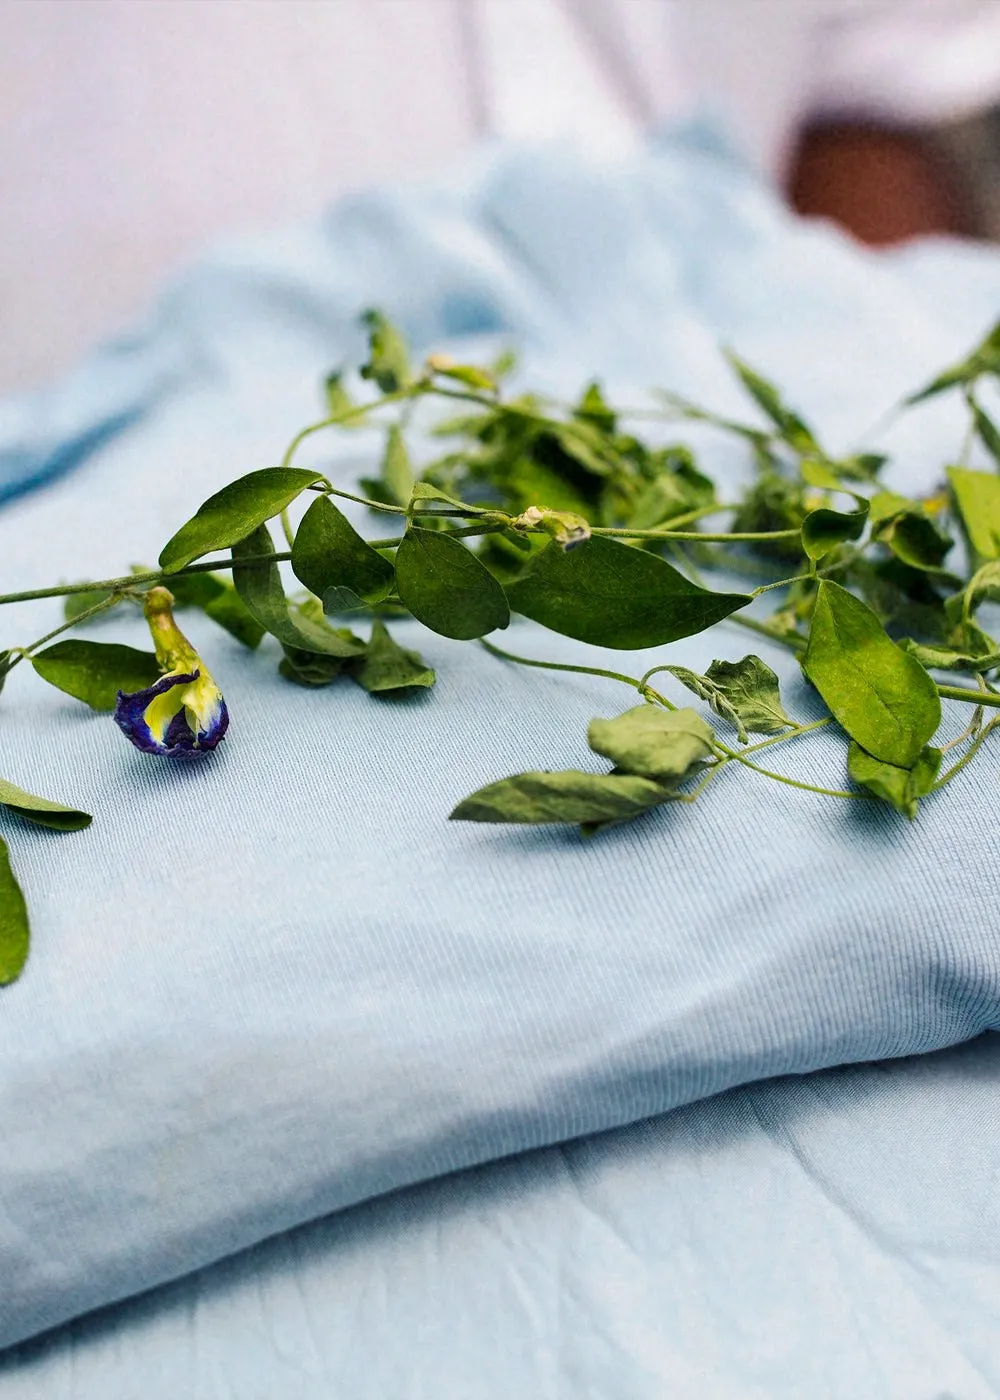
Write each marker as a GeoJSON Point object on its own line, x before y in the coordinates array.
{"type": "Point", "coordinates": [183, 713]}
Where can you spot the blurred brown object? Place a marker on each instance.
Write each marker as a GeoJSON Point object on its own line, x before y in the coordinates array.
{"type": "Point", "coordinates": [885, 186]}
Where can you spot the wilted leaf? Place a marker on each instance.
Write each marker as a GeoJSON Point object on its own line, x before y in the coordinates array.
{"type": "Point", "coordinates": [652, 742]}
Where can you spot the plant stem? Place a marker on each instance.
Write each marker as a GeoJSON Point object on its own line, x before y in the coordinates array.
{"type": "Point", "coordinates": [699, 536]}
{"type": "Point", "coordinates": [349, 415]}
{"type": "Point", "coordinates": [85, 616]}
{"type": "Point", "coordinates": [967, 756]}
{"type": "Point", "coordinates": [205, 566]}
{"type": "Point", "coordinates": [560, 666]}
{"type": "Point", "coordinates": [793, 782]}
{"type": "Point", "coordinates": [970, 697]}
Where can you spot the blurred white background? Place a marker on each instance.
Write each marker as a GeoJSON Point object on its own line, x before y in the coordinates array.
{"type": "Point", "coordinates": [132, 131]}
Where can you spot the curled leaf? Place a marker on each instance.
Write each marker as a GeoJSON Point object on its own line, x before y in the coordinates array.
{"type": "Point", "coordinates": [665, 745]}
{"type": "Point", "coordinates": [902, 788]}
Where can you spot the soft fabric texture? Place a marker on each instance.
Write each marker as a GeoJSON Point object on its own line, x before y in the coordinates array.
{"type": "Point", "coordinates": [277, 983]}
{"type": "Point", "coordinates": [826, 1236]}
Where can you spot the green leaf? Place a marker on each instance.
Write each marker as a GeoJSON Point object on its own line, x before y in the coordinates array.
{"type": "Point", "coordinates": [652, 742]}
{"type": "Point", "coordinates": [446, 587]}
{"type": "Point", "coordinates": [95, 671]}
{"type": "Point", "coordinates": [791, 428]}
{"type": "Point", "coordinates": [338, 400]}
{"type": "Point", "coordinates": [677, 488]}
{"type": "Point", "coordinates": [744, 692]}
{"type": "Point", "coordinates": [388, 357]}
{"type": "Point", "coordinates": [942, 658]}
{"type": "Point", "coordinates": [824, 529]}
{"type": "Point", "coordinates": [6, 661]}
{"type": "Point", "coordinates": [235, 512]}
{"type": "Point", "coordinates": [882, 696]}
{"type": "Point", "coordinates": [818, 474]}
{"type": "Point", "coordinates": [77, 603]}
{"type": "Point", "coordinates": [985, 359]}
{"type": "Point", "coordinates": [310, 668]}
{"type": "Point", "coordinates": [570, 796]}
{"type": "Point", "coordinates": [40, 810]}
{"type": "Point", "coordinates": [259, 585]}
{"type": "Point", "coordinates": [900, 787]}
{"type": "Point", "coordinates": [14, 931]}
{"type": "Point", "coordinates": [593, 408]}
{"type": "Point", "coordinates": [983, 587]}
{"type": "Point", "coordinates": [863, 466]}
{"type": "Point", "coordinates": [428, 491]}
{"type": "Point", "coordinates": [977, 499]}
{"type": "Point", "coordinates": [472, 375]}
{"type": "Point", "coordinates": [989, 433]}
{"type": "Point", "coordinates": [230, 612]}
{"type": "Point", "coordinates": [611, 595]}
{"type": "Point", "coordinates": [386, 666]}
{"type": "Point", "coordinates": [335, 563]}
{"type": "Point", "coordinates": [397, 473]}
{"type": "Point", "coordinates": [584, 443]}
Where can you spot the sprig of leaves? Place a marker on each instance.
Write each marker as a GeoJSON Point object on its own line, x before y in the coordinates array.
{"type": "Point", "coordinates": [569, 516]}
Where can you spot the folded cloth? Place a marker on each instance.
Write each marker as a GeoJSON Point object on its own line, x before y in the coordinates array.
{"type": "Point", "coordinates": [277, 983]}
{"type": "Point", "coordinates": [825, 1235]}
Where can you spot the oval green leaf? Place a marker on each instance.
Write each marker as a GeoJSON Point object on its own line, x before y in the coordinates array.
{"type": "Point", "coordinates": [612, 595]}
{"type": "Point", "coordinates": [328, 553]}
{"type": "Point", "coordinates": [446, 587]}
{"type": "Point", "coordinates": [823, 529]}
{"type": "Point", "coordinates": [901, 788]}
{"type": "Point", "coordinates": [94, 672]}
{"type": "Point", "coordinates": [14, 931]}
{"type": "Point", "coordinates": [387, 667]}
{"type": "Point", "coordinates": [881, 695]}
{"type": "Point", "coordinates": [977, 499]}
{"type": "Point", "coordinates": [570, 796]}
{"type": "Point", "coordinates": [40, 810]}
{"type": "Point", "coordinates": [235, 511]}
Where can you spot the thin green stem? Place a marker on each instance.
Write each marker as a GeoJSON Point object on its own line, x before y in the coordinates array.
{"type": "Point", "coordinates": [697, 791]}
{"type": "Point", "coordinates": [349, 415]}
{"type": "Point", "coordinates": [286, 525]}
{"type": "Point", "coordinates": [205, 566]}
{"type": "Point", "coordinates": [967, 756]}
{"type": "Point", "coordinates": [793, 782]}
{"type": "Point", "coordinates": [117, 585]}
{"type": "Point", "coordinates": [789, 734]}
{"type": "Point", "coordinates": [698, 536]}
{"type": "Point", "coordinates": [382, 506]}
{"type": "Point", "coordinates": [561, 666]}
{"type": "Point", "coordinates": [85, 616]}
{"type": "Point", "coordinates": [779, 583]}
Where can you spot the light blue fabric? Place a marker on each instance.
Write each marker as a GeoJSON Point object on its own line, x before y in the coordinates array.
{"type": "Point", "coordinates": [278, 983]}
{"type": "Point", "coordinates": [830, 1236]}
